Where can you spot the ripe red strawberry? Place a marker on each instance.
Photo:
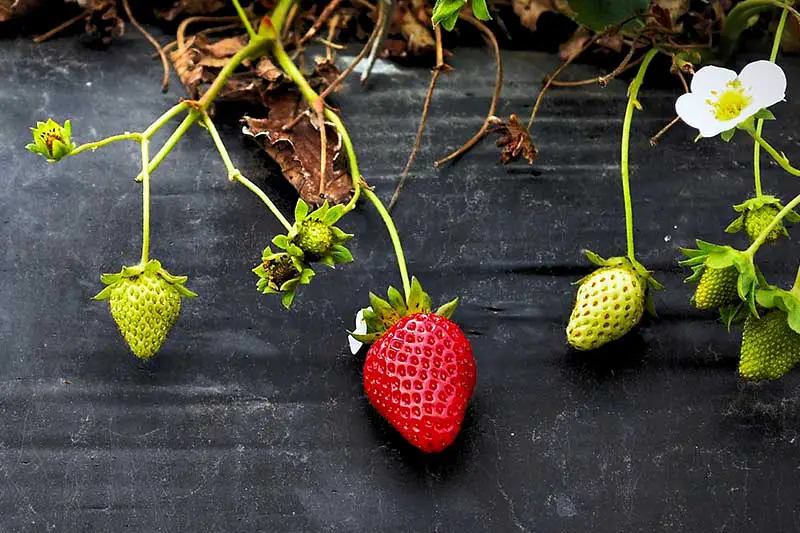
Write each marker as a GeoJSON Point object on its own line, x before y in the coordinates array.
{"type": "Point", "coordinates": [420, 375]}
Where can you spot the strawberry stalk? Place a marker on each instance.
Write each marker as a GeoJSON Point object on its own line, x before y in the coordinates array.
{"type": "Point", "coordinates": [145, 144]}
{"type": "Point", "coordinates": [246, 21]}
{"type": "Point", "coordinates": [779, 157]}
{"type": "Point", "coordinates": [235, 175]}
{"type": "Point", "coordinates": [776, 44]}
{"type": "Point", "coordinates": [633, 91]}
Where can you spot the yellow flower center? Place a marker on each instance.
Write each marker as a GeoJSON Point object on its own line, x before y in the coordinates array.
{"type": "Point", "coordinates": [731, 102]}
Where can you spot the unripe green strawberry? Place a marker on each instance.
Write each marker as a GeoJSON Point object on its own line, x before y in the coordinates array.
{"type": "Point", "coordinates": [770, 348]}
{"type": "Point", "coordinates": [717, 288]}
{"type": "Point", "coordinates": [145, 301]}
{"type": "Point", "coordinates": [610, 302]}
{"type": "Point", "coordinates": [314, 237]}
{"type": "Point", "coordinates": [756, 220]}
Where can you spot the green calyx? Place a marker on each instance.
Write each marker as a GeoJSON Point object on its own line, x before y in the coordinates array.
{"type": "Point", "coordinates": [631, 264]}
{"type": "Point", "coordinates": [314, 237]}
{"type": "Point", "coordinates": [282, 273]}
{"type": "Point", "coordinates": [708, 255]}
{"type": "Point", "coordinates": [151, 267]}
{"type": "Point", "coordinates": [773, 297]}
{"type": "Point", "coordinates": [382, 314]}
{"type": "Point", "coordinates": [51, 140]}
{"type": "Point", "coordinates": [757, 213]}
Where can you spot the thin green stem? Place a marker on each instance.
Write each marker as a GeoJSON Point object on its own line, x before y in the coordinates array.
{"type": "Point", "coordinates": [762, 237]}
{"type": "Point", "coordinates": [173, 139]}
{"type": "Point", "coordinates": [264, 198]}
{"type": "Point", "coordinates": [398, 248]}
{"type": "Point", "coordinates": [279, 14]}
{"type": "Point", "coordinates": [145, 201]}
{"type": "Point", "coordinates": [235, 175]}
{"type": "Point", "coordinates": [779, 158]}
{"type": "Point", "coordinates": [253, 49]}
{"type": "Point", "coordinates": [108, 140]}
{"type": "Point", "coordinates": [776, 45]}
{"type": "Point", "coordinates": [245, 20]}
{"type": "Point", "coordinates": [313, 100]}
{"type": "Point", "coordinates": [163, 119]}
{"type": "Point", "coordinates": [633, 92]}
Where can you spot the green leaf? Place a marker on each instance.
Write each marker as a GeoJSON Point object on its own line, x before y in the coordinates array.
{"type": "Point", "coordinates": [447, 309]}
{"type": "Point", "coordinates": [445, 12]}
{"type": "Point", "coordinates": [480, 10]}
{"type": "Point", "coordinates": [300, 211]}
{"type": "Point", "coordinates": [728, 135]}
{"type": "Point", "coordinates": [600, 14]}
{"type": "Point", "coordinates": [287, 299]}
{"type": "Point", "coordinates": [764, 114]}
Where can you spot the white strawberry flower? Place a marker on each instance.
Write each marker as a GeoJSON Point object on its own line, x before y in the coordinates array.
{"type": "Point", "coordinates": [720, 99]}
{"type": "Point", "coordinates": [360, 329]}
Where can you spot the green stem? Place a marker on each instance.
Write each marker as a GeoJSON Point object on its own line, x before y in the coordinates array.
{"type": "Point", "coordinates": [398, 248]}
{"type": "Point", "coordinates": [313, 100]}
{"type": "Point", "coordinates": [254, 48]}
{"type": "Point", "coordinates": [163, 119]}
{"type": "Point", "coordinates": [633, 91]}
{"type": "Point", "coordinates": [145, 201]}
{"type": "Point", "coordinates": [264, 198]}
{"type": "Point", "coordinates": [279, 14]}
{"type": "Point", "coordinates": [235, 175]}
{"type": "Point", "coordinates": [762, 237]}
{"type": "Point", "coordinates": [108, 140]}
{"type": "Point", "coordinates": [245, 20]}
{"type": "Point", "coordinates": [776, 44]}
{"type": "Point", "coordinates": [173, 139]}
{"type": "Point", "coordinates": [779, 158]}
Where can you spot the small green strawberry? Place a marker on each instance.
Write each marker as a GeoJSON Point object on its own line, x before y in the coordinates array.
{"type": "Point", "coordinates": [610, 302]}
{"type": "Point", "coordinates": [51, 140]}
{"type": "Point", "coordinates": [717, 288]}
{"type": "Point", "coordinates": [314, 237]}
{"type": "Point", "coordinates": [770, 347]}
{"type": "Point", "coordinates": [756, 214]}
{"type": "Point", "coordinates": [145, 301]}
{"type": "Point", "coordinates": [726, 276]}
{"type": "Point", "coordinates": [282, 273]}
{"type": "Point", "coordinates": [771, 343]}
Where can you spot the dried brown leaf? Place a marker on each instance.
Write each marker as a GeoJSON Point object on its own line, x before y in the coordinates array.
{"type": "Point", "coordinates": [297, 152]}
{"type": "Point", "coordinates": [514, 139]}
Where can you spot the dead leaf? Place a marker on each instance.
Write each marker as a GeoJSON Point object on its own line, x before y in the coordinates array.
{"type": "Point", "coordinates": [529, 11]}
{"type": "Point", "coordinates": [515, 140]}
{"type": "Point", "coordinates": [190, 7]}
{"type": "Point", "coordinates": [297, 152]}
{"type": "Point", "coordinates": [103, 23]}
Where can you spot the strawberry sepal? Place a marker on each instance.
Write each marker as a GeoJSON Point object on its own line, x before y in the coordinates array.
{"type": "Point", "coordinates": [151, 267]}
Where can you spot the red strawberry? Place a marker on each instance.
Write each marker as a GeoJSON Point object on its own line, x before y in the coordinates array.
{"type": "Point", "coordinates": [420, 375]}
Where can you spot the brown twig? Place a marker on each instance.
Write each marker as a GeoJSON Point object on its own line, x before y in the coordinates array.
{"type": "Point", "coordinates": [39, 39]}
{"type": "Point", "coordinates": [655, 138]}
{"type": "Point", "coordinates": [329, 45]}
{"type": "Point", "coordinates": [592, 81]}
{"type": "Point", "coordinates": [346, 72]}
{"type": "Point", "coordinates": [498, 85]}
{"type": "Point", "coordinates": [181, 33]}
{"type": "Point", "coordinates": [381, 32]}
{"type": "Point", "coordinates": [319, 109]}
{"type": "Point", "coordinates": [440, 66]}
{"type": "Point", "coordinates": [554, 75]}
{"type": "Point", "coordinates": [287, 24]}
{"type": "Point", "coordinates": [152, 40]}
{"type": "Point", "coordinates": [208, 31]}
{"type": "Point", "coordinates": [323, 17]}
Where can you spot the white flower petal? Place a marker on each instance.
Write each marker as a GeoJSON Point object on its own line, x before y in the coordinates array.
{"type": "Point", "coordinates": [766, 82]}
{"type": "Point", "coordinates": [694, 111]}
{"type": "Point", "coordinates": [360, 329]}
{"type": "Point", "coordinates": [711, 78]}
